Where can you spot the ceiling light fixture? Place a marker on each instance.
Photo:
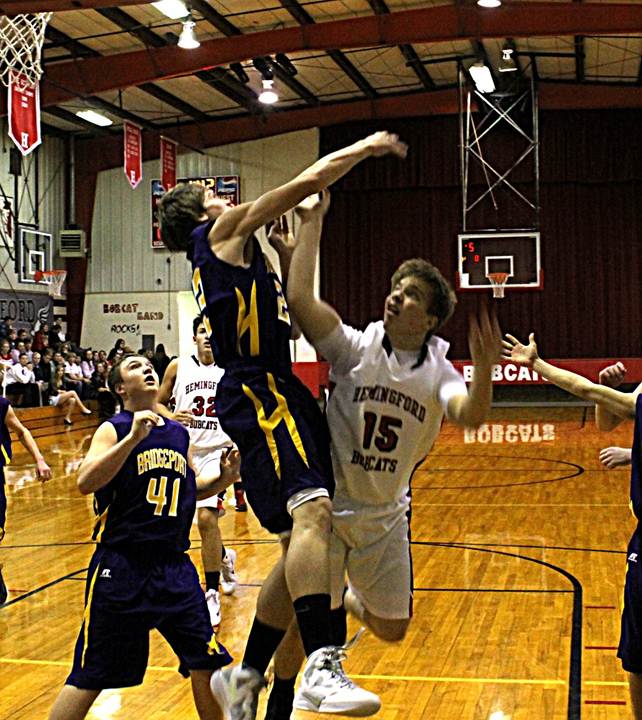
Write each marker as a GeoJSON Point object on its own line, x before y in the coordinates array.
{"type": "Point", "coordinates": [489, 3]}
{"type": "Point", "coordinates": [173, 9]}
{"type": "Point", "coordinates": [482, 77]}
{"type": "Point", "coordinates": [263, 65]}
{"type": "Point", "coordinates": [93, 117]}
{"type": "Point", "coordinates": [507, 63]}
{"type": "Point", "coordinates": [240, 73]}
{"type": "Point", "coordinates": [284, 61]}
{"type": "Point", "coordinates": [268, 96]}
{"type": "Point", "coordinates": [188, 39]}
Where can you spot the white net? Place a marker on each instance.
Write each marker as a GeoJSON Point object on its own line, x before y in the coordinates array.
{"type": "Point", "coordinates": [55, 279]}
{"type": "Point", "coordinates": [21, 39]}
{"type": "Point", "coordinates": [498, 281]}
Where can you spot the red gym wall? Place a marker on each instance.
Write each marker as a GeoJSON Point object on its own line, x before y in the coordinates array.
{"type": "Point", "coordinates": [591, 226]}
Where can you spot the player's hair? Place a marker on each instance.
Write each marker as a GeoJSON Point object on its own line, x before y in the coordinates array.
{"type": "Point", "coordinates": [443, 299]}
{"type": "Point", "coordinates": [179, 212]}
{"type": "Point", "coordinates": [115, 375]}
{"type": "Point", "coordinates": [198, 320]}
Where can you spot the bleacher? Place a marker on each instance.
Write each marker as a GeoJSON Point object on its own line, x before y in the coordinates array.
{"type": "Point", "coordinates": [48, 421]}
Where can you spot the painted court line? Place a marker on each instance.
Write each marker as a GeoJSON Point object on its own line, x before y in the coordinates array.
{"type": "Point", "coordinates": [399, 678]}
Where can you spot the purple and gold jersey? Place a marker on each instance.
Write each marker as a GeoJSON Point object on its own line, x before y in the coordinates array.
{"type": "Point", "coordinates": [5, 438]}
{"type": "Point", "coordinates": [244, 308]}
{"type": "Point", "coordinates": [636, 461]}
{"type": "Point", "coordinates": [151, 500]}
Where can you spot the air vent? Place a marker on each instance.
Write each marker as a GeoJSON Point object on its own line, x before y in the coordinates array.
{"type": "Point", "coordinates": [71, 243]}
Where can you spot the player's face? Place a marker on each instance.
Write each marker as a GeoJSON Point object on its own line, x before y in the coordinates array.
{"type": "Point", "coordinates": [214, 205]}
{"type": "Point", "coordinates": [203, 347]}
{"type": "Point", "coordinates": [406, 309]}
{"type": "Point", "coordinates": [138, 376]}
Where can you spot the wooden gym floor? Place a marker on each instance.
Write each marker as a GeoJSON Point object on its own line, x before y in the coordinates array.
{"type": "Point", "coordinates": [519, 539]}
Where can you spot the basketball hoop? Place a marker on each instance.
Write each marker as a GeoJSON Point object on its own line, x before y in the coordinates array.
{"type": "Point", "coordinates": [21, 39]}
{"type": "Point", "coordinates": [498, 281]}
{"type": "Point", "coordinates": [54, 278]}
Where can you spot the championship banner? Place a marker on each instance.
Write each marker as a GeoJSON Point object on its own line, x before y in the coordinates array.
{"type": "Point", "coordinates": [133, 153]}
{"type": "Point", "coordinates": [168, 162]}
{"type": "Point", "coordinates": [24, 113]}
{"type": "Point", "coordinates": [227, 187]}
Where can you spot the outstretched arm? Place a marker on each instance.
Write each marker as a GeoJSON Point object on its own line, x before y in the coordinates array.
{"type": "Point", "coordinates": [484, 342]}
{"type": "Point", "coordinates": [316, 318]}
{"type": "Point", "coordinates": [611, 376]}
{"type": "Point", "coordinates": [282, 240]}
{"type": "Point", "coordinates": [616, 402]}
{"type": "Point", "coordinates": [26, 438]}
{"type": "Point", "coordinates": [231, 230]}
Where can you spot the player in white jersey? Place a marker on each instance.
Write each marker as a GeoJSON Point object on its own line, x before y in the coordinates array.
{"type": "Point", "coordinates": [393, 386]}
{"type": "Point", "coordinates": [190, 384]}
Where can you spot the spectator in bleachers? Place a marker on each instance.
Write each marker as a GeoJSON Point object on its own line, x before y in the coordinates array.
{"type": "Point", "coordinates": [5, 353]}
{"type": "Point", "coordinates": [47, 366]}
{"type": "Point", "coordinates": [5, 326]}
{"type": "Point", "coordinates": [66, 400]}
{"type": "Point", "coordinates": [106, 401]}
{"type": "Point", "coordinates": [160, 361]}
{"type": "Point", "coordinates": [28, 347]}
{"type": "Point", "coordinates": [21, 383]}
{"type": "Point", "coordinates": [58, 360]}
{"type": "Point", "coordinates": [12, 336]}
{"type": "Point", "coordinates": [73, 374]}
{"type": "Point", "coordinates": [101, 357]}
{"type": "Point", "coordinates": [41, 338]}
{"type": "Point", "coordinates": [56, 336]}
{"type": "Point", "coordinates": [118, 345]}
{"type": "Point", "coordinates": [87, 365]}
{"type": "Point", "coordinates": [42, 373]}
{"type": "Point", "coordinates": [18, 350]}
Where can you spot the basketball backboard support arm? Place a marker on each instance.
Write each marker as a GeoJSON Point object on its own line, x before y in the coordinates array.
{"type": "Point", "coordinates": [501, 109]}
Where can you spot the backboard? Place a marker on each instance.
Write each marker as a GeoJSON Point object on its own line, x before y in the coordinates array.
{"type": "Point", "coordinates": [516, 253]}
{"type": "Point", "coordinates": [34, 251]}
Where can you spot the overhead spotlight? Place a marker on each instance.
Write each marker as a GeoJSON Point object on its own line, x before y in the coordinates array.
{"type": "Point", "coordinates": [268, 96]}
{"type": "Point", "coordinates": [285, 62]}
{"type": "Point", "coordinates": [93, 117]}
{"type": "Point", "coordinates": [188, 39]}
{"type": "Point", "coordinates": [482, 77]}
{"type": "Point", "coordinates": [507, 63]}
{"type": "Point", "coordinates": [240, 73]}
{"type": "Point", "coordinates": [264, 67]}
{"type": "Point", "coordinates": [489, 3]}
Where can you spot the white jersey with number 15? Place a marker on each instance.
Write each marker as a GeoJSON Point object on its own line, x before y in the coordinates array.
{"type": "Point", "coordinates": [384, 414]}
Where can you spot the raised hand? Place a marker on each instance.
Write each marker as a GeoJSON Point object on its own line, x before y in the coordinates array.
{"type": "Point", "coordinates": [519, 353]}
{"type": "Point", "coordinates": [280, 237]}
{"type": "Point", "coordinates": [612, 457]}
{"type": "Point", "coordinates": [613, 375]}
{"type": "Point", "coordinates": [484, 339]}
{"type": "Point", "coordinates": [231, 465]}
{"type": "Point", "coordinates": [142, 424]}
{"type": "Point", "coordinates": [313, 206]}
{"type": "Point", "coordinates": [385, 143]}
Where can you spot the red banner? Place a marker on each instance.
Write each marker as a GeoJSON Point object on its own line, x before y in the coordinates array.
{"type": "Point", "coordinates": [168, 163]}
{"type": "Point", "coordinates": [24, 113]}
{"type": "Point", "coordinates": [133, 149]}
{"type": "Point", "coordinates": [316, 374]}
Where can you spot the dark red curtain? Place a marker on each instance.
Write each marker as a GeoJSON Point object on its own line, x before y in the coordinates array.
{"type": "Point", "coordinates": [387, 210]}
